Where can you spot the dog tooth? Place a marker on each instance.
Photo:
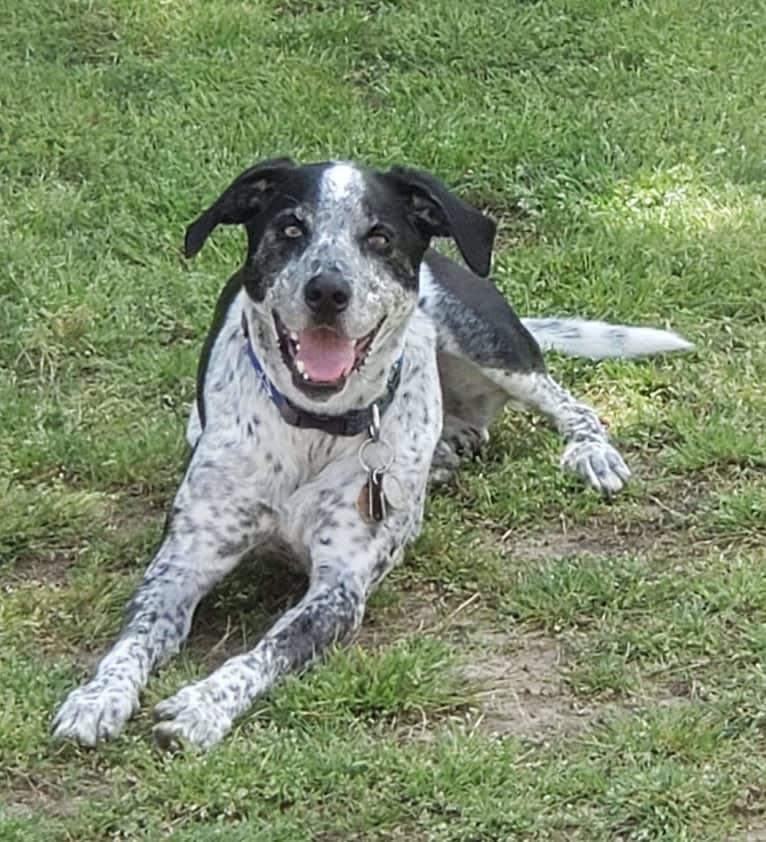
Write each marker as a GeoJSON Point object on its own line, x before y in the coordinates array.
{"type": "Point", "coordinates": [297, 347]}
{"type": "Point", "coordinates": [299, 366]}
{"type": "Point", "coordinates": [305, 376]}
{"type": "Point", "coordinates": [293, 336]}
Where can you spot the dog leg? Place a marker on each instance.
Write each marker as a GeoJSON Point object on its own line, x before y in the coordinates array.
{"type": "Point", "coordinates": [588, 453]}
{"type": "Point", "coordinates": [470, 402]}
{"type": "Point", "coordinates": [201, 714]}
{"type": "Point", "coordinates": [487, 357]}
{"type": "Point", "coordinates": [474, 394]}
{"type": "Point", "coordinates": [349, 556]}
{"type": "Point", "coordinates": [210, 530]}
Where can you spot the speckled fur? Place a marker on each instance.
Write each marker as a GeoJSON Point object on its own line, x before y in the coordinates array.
{"type": "Point", "coordinates": [253, 481]}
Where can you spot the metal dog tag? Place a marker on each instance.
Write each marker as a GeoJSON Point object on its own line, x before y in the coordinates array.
{"type": "Point", "coordinates": [376, 456]}
{"type": "Point", "coordinates": [376, 498]}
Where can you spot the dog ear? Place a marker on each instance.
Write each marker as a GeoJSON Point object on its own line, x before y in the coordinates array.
{"type": "Point", "coordinates": [246, 196]}
{"type": "Point", "coordinates": [439, 213]}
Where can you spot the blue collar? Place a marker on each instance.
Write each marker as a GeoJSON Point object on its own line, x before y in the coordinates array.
{"type": "Point", "coordinates": [351, 423]}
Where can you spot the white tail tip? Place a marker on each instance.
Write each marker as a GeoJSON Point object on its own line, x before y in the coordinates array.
{"type": "Point", "coordinates": [601, 340]}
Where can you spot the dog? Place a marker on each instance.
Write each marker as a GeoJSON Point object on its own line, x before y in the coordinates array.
{"type": "Point", "coordinates": [348, 367]}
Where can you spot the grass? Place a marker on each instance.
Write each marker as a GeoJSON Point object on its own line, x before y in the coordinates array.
{"type": "Point", "coordinates": [545, 665]}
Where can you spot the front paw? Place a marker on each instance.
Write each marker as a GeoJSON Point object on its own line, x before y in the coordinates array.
{"type": "Point", "coordinates": [444, 464]}
{"type": "Point", "coordinates": [598, 463]}
{"type": "Point", "coordinates": [191, 718]}
{"type": "Point", "coordinates": [462, 438]}
{"type": "Point", "coordinates": [96, 711]}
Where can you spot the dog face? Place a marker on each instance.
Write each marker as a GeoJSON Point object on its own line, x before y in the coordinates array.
{"type": "Point", "coordinates": [331, 272]}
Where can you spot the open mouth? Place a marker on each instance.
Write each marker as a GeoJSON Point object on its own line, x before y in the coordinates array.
{"type": "Point", "coordinates": [319, 358]}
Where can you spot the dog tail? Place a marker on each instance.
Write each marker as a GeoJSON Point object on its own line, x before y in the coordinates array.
{"type": "Point", "coordinates": [600, 340]}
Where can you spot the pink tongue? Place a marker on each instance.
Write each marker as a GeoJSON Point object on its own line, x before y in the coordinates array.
{"type": "Point", "coordinates": [326, 357]}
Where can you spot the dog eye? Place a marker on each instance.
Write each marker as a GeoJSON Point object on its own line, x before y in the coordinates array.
{"type": "Point", "coordinates": [378, 237]}
{"type": "Point", "coordinates": [291, 230]}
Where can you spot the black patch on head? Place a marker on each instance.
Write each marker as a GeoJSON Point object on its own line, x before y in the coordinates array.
{"type": "Point", "coordinates": [253, 199]}
{"type": "Point", "coordinates": [244, 198]}
{"type": "Point", "coordinates": [387, 212]}
{"type": "Point", "coordinates": [268, 249]}
{"type": "Point", "coordinates": [406, 207]}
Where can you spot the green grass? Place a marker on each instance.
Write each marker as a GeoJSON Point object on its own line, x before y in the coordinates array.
{"type": "Point", "coordinates": [621, 146]}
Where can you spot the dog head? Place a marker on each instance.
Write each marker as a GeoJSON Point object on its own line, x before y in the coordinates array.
{"type": "Point", "coordinates": [332, 266]}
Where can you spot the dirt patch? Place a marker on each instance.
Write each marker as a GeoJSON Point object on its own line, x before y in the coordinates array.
{"type": "Point", "coordinates": [126, 525]}
{"type": "Point", "coordinates": [520, 688]}
{"type": "Point", "coordinates": [749, 810]}
{"type": "Point", "coordinates": [655, 526]}
{"type": "Point", "coordinates": [600, 536]}
{"type": "Point", "coordinates": [414, 612]}
{"type": "Point", "coordinates": [559, 543]}
{"type": "Point", "coordinates": [31, 803]}
{"type": "Point", "coordinates": [48, 567]}
{"type": "Point", "coordinates": [42, 797]}
{"type": "Point", "coordinates": [673, 521]}
{"type": "Point", "coordinates": [516, 677]}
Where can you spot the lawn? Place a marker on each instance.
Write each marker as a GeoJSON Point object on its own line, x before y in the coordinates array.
{"type": "Point", "coordinates": [545, 665]}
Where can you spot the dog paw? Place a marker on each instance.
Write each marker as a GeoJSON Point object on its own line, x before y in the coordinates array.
{"type": "Point", "coordinates": [598, 463]}
{"type": "Point", "coordinates": [96, 711]}
{"type": "Point", "coordinates": [444, 464]}
{"type": "Point", "coordinates": [190, 719]}
{"type": "Point", "coordinates": [463, 439]}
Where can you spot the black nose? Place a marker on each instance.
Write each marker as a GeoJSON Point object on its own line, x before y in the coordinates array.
{"type": "Point", "coordinates": [327, 295]}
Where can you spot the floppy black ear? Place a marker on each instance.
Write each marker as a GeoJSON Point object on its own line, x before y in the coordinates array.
{"type": "Point", "coordinates": [246, 196]}
{"type": "Point", "coordinates": [439, 213]}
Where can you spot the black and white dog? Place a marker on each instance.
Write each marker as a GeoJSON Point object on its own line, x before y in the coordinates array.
{"type": "Point", "coordinates": [347, 365]}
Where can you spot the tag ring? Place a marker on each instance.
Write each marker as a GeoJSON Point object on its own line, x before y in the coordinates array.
{"type": "Point", "coordinates": [387, 462]}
